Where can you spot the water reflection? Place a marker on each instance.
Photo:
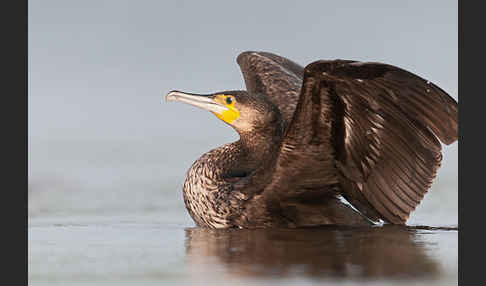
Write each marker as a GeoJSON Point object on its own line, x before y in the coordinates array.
{"type": "Point", "coordinates": [381, 252]}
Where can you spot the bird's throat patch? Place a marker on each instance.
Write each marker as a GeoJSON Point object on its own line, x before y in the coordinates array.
{"type": "Point", "coordinates": [230, 115]}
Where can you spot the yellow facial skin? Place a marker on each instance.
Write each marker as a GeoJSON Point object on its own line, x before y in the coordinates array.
{"type": "Point", "coordinates": [230, 115]}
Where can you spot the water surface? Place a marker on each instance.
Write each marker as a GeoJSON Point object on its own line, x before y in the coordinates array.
{"type": "Point", "coordinates": [142, 249]}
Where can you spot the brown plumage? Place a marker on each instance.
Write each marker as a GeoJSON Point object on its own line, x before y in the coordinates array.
{"type": "Point", "coordinates": [363, 131]}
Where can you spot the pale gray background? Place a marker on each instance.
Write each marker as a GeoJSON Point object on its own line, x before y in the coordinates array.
{"type": "Point", "coordinates": [107, 158]}
{"type": "Point", "coordinates": [100, 140]}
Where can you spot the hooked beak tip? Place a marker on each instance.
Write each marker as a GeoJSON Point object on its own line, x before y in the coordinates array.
{"type": "Point", "coordinates": [171, 96]}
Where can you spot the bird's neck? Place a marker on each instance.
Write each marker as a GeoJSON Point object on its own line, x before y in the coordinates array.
{"type": "Point", "coordinates": [259, 147]}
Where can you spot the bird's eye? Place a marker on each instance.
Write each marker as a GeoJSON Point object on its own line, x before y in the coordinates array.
{"type": "Point", "coordinates": [229, 100]}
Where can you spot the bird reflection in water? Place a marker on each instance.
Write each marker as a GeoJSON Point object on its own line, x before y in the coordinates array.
{"type": "Point", "coordinates": [391, 252]}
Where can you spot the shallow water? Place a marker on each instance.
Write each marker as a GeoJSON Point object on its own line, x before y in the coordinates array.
{"type": "Point", "coordinates": [141, 250]}
{"type": "Point", "coordinates": [96, 235]}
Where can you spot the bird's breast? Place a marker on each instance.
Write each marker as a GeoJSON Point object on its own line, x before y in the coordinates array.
{"type": "Point", "coordinates": [206, 197]}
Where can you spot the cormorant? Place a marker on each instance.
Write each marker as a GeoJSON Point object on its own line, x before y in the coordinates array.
{"type": "Point", "coordinates": [309, 137]}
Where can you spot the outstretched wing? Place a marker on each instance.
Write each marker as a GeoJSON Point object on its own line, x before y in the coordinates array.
{"type": "Point", "coordinates": [369, 128]}
{"type": "Point", "coordinates": [275, 76]}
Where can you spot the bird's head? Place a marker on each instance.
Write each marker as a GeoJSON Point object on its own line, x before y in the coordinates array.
{"type": "Point", "coordinates": [244, 111]}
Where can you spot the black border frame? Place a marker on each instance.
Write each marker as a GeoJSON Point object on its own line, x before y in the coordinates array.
{"type": "Point", "coordinates": [14, 210]}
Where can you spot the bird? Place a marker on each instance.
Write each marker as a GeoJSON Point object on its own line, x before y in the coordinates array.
{"type": "Point", "coordinates": [337, 142]}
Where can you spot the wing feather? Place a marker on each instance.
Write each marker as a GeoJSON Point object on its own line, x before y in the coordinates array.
{"type": "Point", "coordinates": [371, 128]}
{"type": "Point", "coordinates": [275, 76]}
